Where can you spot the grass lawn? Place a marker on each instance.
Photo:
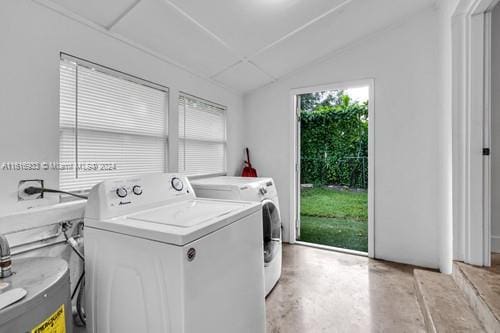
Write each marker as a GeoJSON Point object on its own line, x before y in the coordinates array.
{"type": "Point", "coordinates": [334, 217]}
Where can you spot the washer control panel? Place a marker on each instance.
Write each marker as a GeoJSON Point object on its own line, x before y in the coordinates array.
{"type": "Point", "coordinates": [116, 197]}
{"type": "Point", "coordinates": [124, 193]}
{"type": "Point", "coordinates": [131, 190]}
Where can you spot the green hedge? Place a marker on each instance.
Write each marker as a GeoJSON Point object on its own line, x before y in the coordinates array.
{"type": "Point", "coordinates": [334, 144]}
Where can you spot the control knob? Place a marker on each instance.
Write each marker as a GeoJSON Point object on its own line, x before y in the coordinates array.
{"type": "Point", "coordinates": [262, 190]}
{"type": "Point", "coordinates": [121, 192]}
{"type": "Point", "coordinates": [177, 184]}
{"type": "Point", "coordinates": [137, 189]}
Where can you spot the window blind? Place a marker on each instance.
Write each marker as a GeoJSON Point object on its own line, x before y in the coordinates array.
{"type": "Point", "coordinates": [110, 126]}
{"type": "Point", "coordinates": [202, 136]}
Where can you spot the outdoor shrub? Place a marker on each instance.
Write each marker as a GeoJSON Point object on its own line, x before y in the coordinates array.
{"type": "Point", "coordinates": [334, 143]}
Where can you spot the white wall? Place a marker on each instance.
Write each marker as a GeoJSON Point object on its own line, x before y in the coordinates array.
{"type": "Point", "coordinates": [404, 61]}
{"type": "Point", "coordinates": [495, 156]}
{"type": "Point", "coordinates": [445, 200]}
{"type": "Point", "coordinates": [31, 38]}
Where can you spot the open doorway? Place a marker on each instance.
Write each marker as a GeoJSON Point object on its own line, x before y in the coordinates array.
{"type": "Point", "coordinates": [334, 167]}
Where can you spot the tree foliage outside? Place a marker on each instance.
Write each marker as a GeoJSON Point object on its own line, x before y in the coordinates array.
{"type": "Point", "coordinates": [334, 140]}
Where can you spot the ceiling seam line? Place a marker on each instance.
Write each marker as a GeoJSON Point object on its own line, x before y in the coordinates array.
{"type": "Point", "coordinates": [272, 77]}
{"type": "Point", "coordinates": [205, 29]}
{"type": "Point", "coordinates": [226, 68]}
{"type": "Point", "coordinates": [302, 27]}
{"type": "Point", "coordinates": [122, 15]}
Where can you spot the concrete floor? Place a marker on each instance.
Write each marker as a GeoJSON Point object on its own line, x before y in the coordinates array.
{"type": "Point", "coordinates": [324, 291]}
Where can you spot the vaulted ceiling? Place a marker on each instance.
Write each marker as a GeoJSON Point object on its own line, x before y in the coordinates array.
{"type": "Point", "coordinates": [243, 44]}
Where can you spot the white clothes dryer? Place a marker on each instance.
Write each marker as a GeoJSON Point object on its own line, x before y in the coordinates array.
{"type": "Point", "coordinates": [260, 190]}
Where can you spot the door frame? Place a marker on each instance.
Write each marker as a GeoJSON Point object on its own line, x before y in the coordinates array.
{"type": "Point", "coordinates": [471, 103]}
{"type": "Point", "coordinates": [295, 156]}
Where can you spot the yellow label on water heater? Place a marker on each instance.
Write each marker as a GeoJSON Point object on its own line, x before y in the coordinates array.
{"type": "Point", "coordinates": [56, 323]}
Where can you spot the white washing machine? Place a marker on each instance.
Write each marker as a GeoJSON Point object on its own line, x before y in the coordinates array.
{"type": "Point", "coordinates": [158, 259]}
{"type": "Point", "coordinates": [257, 190]}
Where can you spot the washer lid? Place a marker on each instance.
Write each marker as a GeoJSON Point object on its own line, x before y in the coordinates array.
{"type": "Point", "coordinates": [185, 214]}
{"type": "Point", "coordinates": [177, 223]}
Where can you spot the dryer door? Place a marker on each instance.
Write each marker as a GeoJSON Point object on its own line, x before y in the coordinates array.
{"type": "Point", "coordinates": [272, 230]}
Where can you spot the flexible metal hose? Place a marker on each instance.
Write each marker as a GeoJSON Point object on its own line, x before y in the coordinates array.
{"type": "Point", "coordinates": [5, 262]}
